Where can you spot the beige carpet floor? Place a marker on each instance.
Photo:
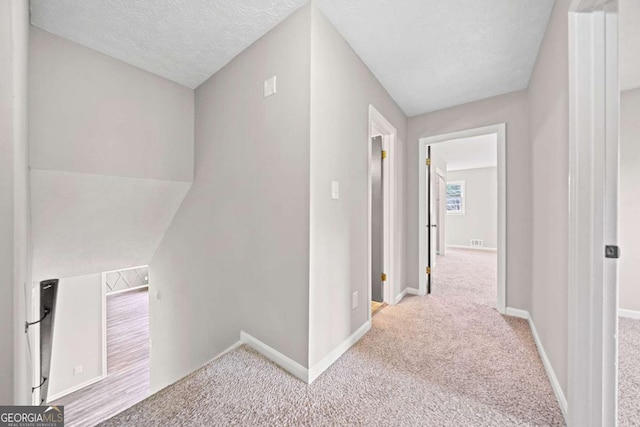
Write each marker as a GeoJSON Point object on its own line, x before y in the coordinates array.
{"type": "Point", "coordinates": [440, 360]}
{"type": "Point", "coordinates": [629, 373]}
{"type": "Point", "coordinates": [467, 275]}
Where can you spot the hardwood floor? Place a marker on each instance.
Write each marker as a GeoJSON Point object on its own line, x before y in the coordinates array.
{"type": "Point", "coordinates": [376, 307]}
{"type": "Point", "coordinates": [127, 380]}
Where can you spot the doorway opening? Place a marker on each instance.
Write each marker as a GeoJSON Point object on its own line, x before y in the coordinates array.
{"type": "Point", "coordinates": [121, 376]}
{"type": "Point", "coordinates": [382, 200]}
{"type": "Point", "coordinates": [462, 212]}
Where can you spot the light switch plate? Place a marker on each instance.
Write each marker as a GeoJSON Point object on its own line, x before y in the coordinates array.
{"type": "Point", "coordinates": [335, 190]}
{"type": "Point", "coordinates": [269, 87]}
{"type": "Point", "coordinates": [156, 295]}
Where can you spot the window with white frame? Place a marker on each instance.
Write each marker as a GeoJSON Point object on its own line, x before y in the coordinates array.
{"type": "Point", "coordinates": [455, 197]}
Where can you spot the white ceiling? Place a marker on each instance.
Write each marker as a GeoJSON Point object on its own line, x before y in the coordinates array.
{"type": "Point", "coordinates": [433, 54]}
{"type": "Point", "coordinates": [468, 153]}
{"type": "Point", "coordinates": [182, 40]}
{"type": "Point", "coordinates": [428, 54]}
{"type": "Point", "coordinates": [629, 44]}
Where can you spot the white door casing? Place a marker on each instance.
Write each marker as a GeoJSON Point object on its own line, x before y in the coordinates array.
{"type": "Point", "coordinates": [500, 131]}
{"type": "Point", "coordinates": [379, 125]}
{"type": "Point", "coordinates": [593, 210]}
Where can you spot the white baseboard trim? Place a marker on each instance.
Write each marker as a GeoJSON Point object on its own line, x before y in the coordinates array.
{"type": "Point", "coordinates": [516, 312]}
{"type": "Point", "coordinates": [553, 379]}
{"type": "Point", "coordinates": [414, 291]}
{"type": "Point", "coordinates": [217, 356]}
{"type": "Point", "coordinates": [402, 295]}
{"type": "Point", "coordinates": [630, 314]}
{"type": "Point", "coordinates": [75, 388]}
{"type": "Point", "coordinates": [555, 384]}
{"type": "Point", "coordinates": [296, 369]}
{"type": "Point", "coordinates": [475, 248]}
{"type": "Point", "coordinates": [289, 365]}
{"type": "Point", "coordinates": [317, 369]}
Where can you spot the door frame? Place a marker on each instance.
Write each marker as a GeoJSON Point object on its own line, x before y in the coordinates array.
{"type": "Point", "coordinates": [500, 131]}
{"type": "Point", "coordinates": [593, 209]}
{"type": "Point", "coordinates": [379, 125]}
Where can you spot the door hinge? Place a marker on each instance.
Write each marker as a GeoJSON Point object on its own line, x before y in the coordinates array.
{"type": "Point", "coordinates": [428, 270]}
{"type": "Point", "coordinates": [384, 154]}
{"type": "Point", "coordinates": [383, 277]}
{"type": "Point", "coordinates": [611, 251]}
{"type": "Point", "coordinates": [428, 162]}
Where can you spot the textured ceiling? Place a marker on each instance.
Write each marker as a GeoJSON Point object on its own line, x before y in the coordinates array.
{"type": "Point", "coordinates": [629, 44]}
{"type": "Point", "coordinates": [433, 54]}
{"type": "Point", "coordinates": [469, 153]}
{"type": "Point", "coordinates": [182, 40]}
{"type": "Point", "coordinates": [428, 54]}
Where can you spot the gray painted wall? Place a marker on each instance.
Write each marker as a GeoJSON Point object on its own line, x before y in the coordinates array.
{"type": "Point", "coordinates": [111, 157]}
{"type": "Point", "coordinates": [480, 220]}
{"type": "Point", "coordinates": [77, 333]}
{"type": "Point", "coordinates": [512, 110]}
{"type": "Point", "coordinates": [7, 321]}
{"type": "Point", "coordinates": [341, 90]}
{"type": "Point", "coordinates": [236, 256]}
{"type": "Point", "coordinates": [549, 139]}
{"type": "Point", "coordinates": [90, 113]}
{"type": "Point", "coordinates": [630, 199]}
{"type": "Point", "coordinates": [15, 250]}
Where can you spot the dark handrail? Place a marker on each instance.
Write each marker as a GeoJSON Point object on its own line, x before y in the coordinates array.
{"type": "Point", "coordinates": [27, 324]}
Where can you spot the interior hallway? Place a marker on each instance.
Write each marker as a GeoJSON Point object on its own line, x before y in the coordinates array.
{"type": "Point", "coordinates": [438, 360]}
{"type": "Point", "coordinates": [127, 380]}
{"type": "Point", "coordinates": [467, 274]}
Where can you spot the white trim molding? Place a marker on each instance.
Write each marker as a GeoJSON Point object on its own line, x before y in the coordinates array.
{"type": "Point", "coordinates": [593, 145]}
{"type": "Point", "coordinates": [516, 312]}
{"type": "Point", "coordinates": [122, 291]}
{"type": "Point", "coordinates": [316, 370]}
{"type": "Point", "coordinates": [553, 378]}
{"type": "Point", "coordinates": [379, 125]}
{"type": "Point", "coordinates": [286, 363]}
{"type": "Point", "coordinates": [414, 291]}
{"type": "Point", "coordinates": [424, 142]}
{"type": "Point", "coordinates": [473, 248]}
{"type": "Point", "coordinates": [76, 388]}
{"type": "Point", "coordinates": [629, 314]}
{"type": "Point", "coordinates": [308, 375]}
{"type": "Point", "coordinates": [401, 296]}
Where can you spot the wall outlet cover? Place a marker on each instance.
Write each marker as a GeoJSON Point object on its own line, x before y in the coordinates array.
{"type": "Point", "coordinates": [354, 300]}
